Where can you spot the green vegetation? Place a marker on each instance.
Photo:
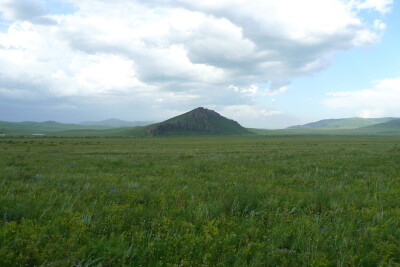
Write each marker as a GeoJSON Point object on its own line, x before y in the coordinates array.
{"type": "Point", "coordinates": [388, 128]}
{"type": "Point", "coordinates": [199, 121]}
{"type": "Point", "coordinates": [47, 126]}
{"type": "Point", "coordinates": [347, 123]}
{"type": "Point", "coordinates": [220, 201]}
{"type": "Point", "coordinates": [391, 128]}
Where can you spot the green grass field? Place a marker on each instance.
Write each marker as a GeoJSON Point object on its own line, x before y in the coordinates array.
{"type": "Point", "coordinates": [206, 201]}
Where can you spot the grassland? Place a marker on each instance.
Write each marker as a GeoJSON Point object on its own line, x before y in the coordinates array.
{"type": "Point", "coordinates": [288, 201]}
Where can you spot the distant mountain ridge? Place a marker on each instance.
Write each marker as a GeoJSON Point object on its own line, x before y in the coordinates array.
{"type": "Point", "coordinates": [117, 123]}
{"type": "Point", "coordinates": [46, 126]}
{"type": "Point", "coordinates": [345, 123]}
{"type": "Point", "coordinates": [53, 126]}
{"type": "Point", "coordinates": [200, 121]}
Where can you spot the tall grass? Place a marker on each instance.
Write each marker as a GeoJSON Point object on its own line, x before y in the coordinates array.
{"type": "Point", "coordinates": [200, 201]}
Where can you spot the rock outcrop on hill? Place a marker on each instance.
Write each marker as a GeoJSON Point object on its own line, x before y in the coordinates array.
{"type": "Point", "coordinates": [200, 121]}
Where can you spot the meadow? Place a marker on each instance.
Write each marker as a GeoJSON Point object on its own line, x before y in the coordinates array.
{"type": "Point", "coordinates": [200, 201]}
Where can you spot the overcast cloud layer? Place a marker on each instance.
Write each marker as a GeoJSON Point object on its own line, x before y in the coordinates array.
{"type": "Point", "coordinates": [152, 59]}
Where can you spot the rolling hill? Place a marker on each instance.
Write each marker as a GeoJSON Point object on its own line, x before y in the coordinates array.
{"type": "Point", "coordinates": [200, 121]}
{"type": "Point", "coordinates": [117, 123]}
{"type": "Point", "coordinates": [391, 127]}
{"type": "Point", "coordinates": [346, 123]}
{"type": "Point", "coordinates": [47, 126]}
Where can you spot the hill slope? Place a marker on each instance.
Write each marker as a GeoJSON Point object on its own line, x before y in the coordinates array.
{"type": "Point", "coordinates": [387, 128]}
{"type": "Point", "coordinates": [199, 121]}
{"type": "Point", "coordinates": [47, 126]}
{"type": "Point", "coordinates": [347, 123]}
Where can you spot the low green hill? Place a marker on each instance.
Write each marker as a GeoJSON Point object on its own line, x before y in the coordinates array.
{"type": "Point", "coordinates": [387, 128]}
{"type": "Point", "coordinates": [346, 123]}
{"type": "Point", "coordinates": [118, 123]}
{"type": "Point", "coordinates": [47, 126]}
{"type": "Point", "coordinates": [200, 121]}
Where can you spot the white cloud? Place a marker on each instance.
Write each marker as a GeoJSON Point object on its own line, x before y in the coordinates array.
{"type": "Point", "coordinates": [382, 6]}
{"type": "Point", "coordinates": [371, 113]}
{"type": "Point", "coordinates": [381, 100]}
{"type": "Point", "coordinates": [175, 50]}
{"type": "Point", "coordinates": [280, 90]}
{"type": "Point", "coordinates": [252, 115]}
{"type": "Point", "coordinates": [379, 25]}
{"type": "Point", "coordinates": [249, 111]}
{"type": "Point", "coordinates": [25, 10]}
{"type": "Point", "coordinates": [22, 9]}
{"type": "Point", "coordinates": [253, 90]}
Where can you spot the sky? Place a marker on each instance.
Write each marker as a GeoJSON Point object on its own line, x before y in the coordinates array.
{"type": "Point", "coordinates": [264, 63]}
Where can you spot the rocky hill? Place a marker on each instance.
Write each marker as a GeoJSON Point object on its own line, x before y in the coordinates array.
{"type": "Point", "coordinates": [200, 121]}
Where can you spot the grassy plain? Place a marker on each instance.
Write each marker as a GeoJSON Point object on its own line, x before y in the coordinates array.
{"type": "Point", "coordinates": [206, 201]}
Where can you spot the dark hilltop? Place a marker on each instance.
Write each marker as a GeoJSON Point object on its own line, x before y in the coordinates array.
{"type": "Point", "coordinates": [200, 121]}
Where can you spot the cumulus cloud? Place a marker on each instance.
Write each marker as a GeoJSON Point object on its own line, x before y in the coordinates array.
{"type": "Point", "coordinates": [25, 10]}
{"type": "Point", "coordinates": [380, 100]}
{"type": "Point", "coordinates": [237, 111]}
{"type": "Point", "coordinates": [165, 52]}
{"type": "Point", "coordinates": [382, 6]}
{"type": "Point", "coordinates": [257, 116]}
{"type": "Point", "coordinates": [379, 25]}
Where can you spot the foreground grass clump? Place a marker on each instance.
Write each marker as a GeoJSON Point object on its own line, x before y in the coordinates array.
{"type": "Point", "coordinates": [200, 201]}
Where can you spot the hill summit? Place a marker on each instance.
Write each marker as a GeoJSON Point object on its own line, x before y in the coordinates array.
{"type": "Point", "coordinates": [200, 121]}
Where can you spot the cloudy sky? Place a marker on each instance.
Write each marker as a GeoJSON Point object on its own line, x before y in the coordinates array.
{"type": "Point", "coordinates": [264, 63]}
